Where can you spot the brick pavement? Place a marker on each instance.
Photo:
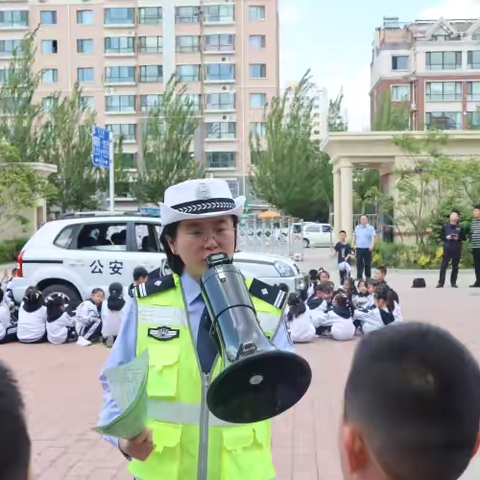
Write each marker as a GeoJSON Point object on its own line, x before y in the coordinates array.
{"type": "Point", "coordinates": [63, 396]}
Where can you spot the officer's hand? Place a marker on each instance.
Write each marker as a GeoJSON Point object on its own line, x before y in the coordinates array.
{"type": "Point", "coordinates": [139, 447]}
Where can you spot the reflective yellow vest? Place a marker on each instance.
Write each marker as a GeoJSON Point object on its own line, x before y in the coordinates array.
{"type": "Point", "coordinates": [176, 400]}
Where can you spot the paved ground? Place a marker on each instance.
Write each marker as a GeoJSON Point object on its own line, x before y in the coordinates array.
{"type": "Point", "coordinates": [63, 396]}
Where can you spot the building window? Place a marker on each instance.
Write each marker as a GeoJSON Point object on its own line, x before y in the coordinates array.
{"type": "Point", "coordinates": [187, 14]}
{"type": "Point", "coordinates": [444, 120]}
{"type": "Point", "coordinates": [473, 90]}
{"type": "Point", "coordinates": [151, 44]}
{"type": "Point", "coordinates": [85, 45]}
{"type": "Point", "coordinates": [258, 70]}
{"type": "Point", "coordinates": [49, 103]}
{"type": "Point", "coordinates": [127, 131]}
{"type": "Point", "coordinates": [258, 100]}
{"type": "Point", "coordinates": [400, 93]}
{"type": "Point", "coordinates": [443, 91]}
{"type": "Point", "coordinates": [257, 42]}
{"type": "Point", "coordinates": [443, 60]}
{"type": "Point", "coordinates": [85, 74]}
{"type": "Point", "coordinates": [49, 75]}
{"type": "Point", "coordinates": [150, 15]}
{"type": "Point", "coordinates": [400, 62]}
{"type": "Point", "coordinates": [474, 60]}
{"type": "Point", "coordinates": [85, 16]}
{"type": "Point", "coordinates": [188, 73]}
{"type": "Point", "coordinates": [220, 101]}
{"type": "Point", "coordinates": [10, 47]}
{"type": "Point", "coordinates": [220, 43]}
{"type": "Point", "coordinates": [221, 159]}
{"type": "Point", "coordinates": [120, 74]}
{"type": "Point", "coordinates": [119, 45]}
{"type": "Point", "coordinates": [221, 130]}
{"type": "Point", "coordinates": [120, 103]}
{"type": "Point", "coordinates": [192, 99]}
{"type": "Point", "coordinates": [87, 102]}
{"type": "Point", "coordinates": [151, 73]}
{"type": "Point", "coordinates": [119, 16]}
{"type": "Point", "coordinates": [256, 13]}
{"type": "Point", "coordinates": [441, 37]}
{"type": "Point", "coordinates": [258, 129]}
{"type": "Point", "coordinates": [49, 46]}
{"type": "Point", "coordinates": [14, 18]}
{"type": "Point", "coordinates": [476, 36]}
{"type": "Point", "coordinates": [473, 120]}
{"type": "Point", "coordinates": [219, 14]}
{"type": "Point", "coordinates": [48, 17]}
{"type": "Point", "coordinates": [127, 160]}
{"type": "Point", "coordinates": [149, 102]}
{"type": "Point", "coordinates": [219, 72]}
{"type": "Point", "coordinates": [188, 43]}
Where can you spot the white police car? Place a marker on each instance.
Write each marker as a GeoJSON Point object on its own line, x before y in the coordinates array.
{"type": "Point", "coordinates": [83, 251]}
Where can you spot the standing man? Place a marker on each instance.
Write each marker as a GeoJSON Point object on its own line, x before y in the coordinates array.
{"type": "Point", "coordinates": [364, 238]}
{"type": "Point", "coordinates": [453, 235]}
{"type": "Point", "coordinates": [475, 230]}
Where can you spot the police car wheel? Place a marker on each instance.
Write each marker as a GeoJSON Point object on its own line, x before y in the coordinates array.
{"type": "Point", "coordinates": [68, 293]}
{"type": "Point", "coordinates": [306, 243]}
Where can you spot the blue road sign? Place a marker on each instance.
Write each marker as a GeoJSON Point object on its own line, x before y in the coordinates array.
{"type": "Point", "coordinates": [100, 147]}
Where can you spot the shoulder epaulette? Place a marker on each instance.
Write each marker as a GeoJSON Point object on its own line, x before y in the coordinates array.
{"type": "Point", "coordinates": [268, 293]}
{"type": "Point", "coordinates": [155, 285]}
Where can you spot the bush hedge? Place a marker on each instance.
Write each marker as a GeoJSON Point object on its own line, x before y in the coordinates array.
{"type": "Point", "coordinates": [398, 255]}
{"type": "Point", "coordinates": [10, 249]}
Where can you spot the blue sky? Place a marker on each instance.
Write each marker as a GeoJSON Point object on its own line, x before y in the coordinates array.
{"type": "Point", "coordinates": [333, 38]}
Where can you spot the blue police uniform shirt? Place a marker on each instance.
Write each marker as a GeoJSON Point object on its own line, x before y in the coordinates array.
{"type": "Point", "coordinates": [123, 350]}
{"type": "Point", "coordinates": [364, 235]}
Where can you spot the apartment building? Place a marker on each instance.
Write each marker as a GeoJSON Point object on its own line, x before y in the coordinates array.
{"type": "Point", "coordinates": [433, 65]}
{"type": "Point", "coordinates": [319, 98]}
{"type": "Point", "coordinates": [123, 52]}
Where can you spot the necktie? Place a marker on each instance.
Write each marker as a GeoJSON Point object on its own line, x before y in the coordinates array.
{"type": "Point", "coordinates": [206, 343]}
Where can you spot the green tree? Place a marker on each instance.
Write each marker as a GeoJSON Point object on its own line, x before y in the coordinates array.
{"type": "Point", "coordinates": [365, 187]}
{"type": "Point", "coordinates": [20, 116]}
{"type": "Point", "coordinates": [67, 127]}
{"type": "Point", "coordinates": [288, 169]}
{"type": "Point", "coordinates": [391, 116]}
{"type": "Point", "coordinates": [166, 145]}
{"type": "Point", "coordinates": [335, 117]}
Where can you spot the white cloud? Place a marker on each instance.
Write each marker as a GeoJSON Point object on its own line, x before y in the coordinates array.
{"type": "Point", "coordinates": [453, 9]}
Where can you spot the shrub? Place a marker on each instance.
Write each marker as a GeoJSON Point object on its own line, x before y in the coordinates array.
{"type": "Point", "coordinates": [10, 249]}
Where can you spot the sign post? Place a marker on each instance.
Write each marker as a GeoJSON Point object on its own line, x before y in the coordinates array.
{"type": "Point", "coordinates": [102, 156]}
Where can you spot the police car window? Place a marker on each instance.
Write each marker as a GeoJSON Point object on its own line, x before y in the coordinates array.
{"type": "Point", "coordinates": [65, 237]}
{"type": "Point", "coordinates": [146, 238]}
{"type": "Point", "coordinates": [326, 228]}
{"type": "Point", "coordinates": [110, 237]}
{"type": "Point", "coordinates": [313, 228]}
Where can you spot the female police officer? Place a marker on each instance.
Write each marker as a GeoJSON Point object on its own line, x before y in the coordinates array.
{"type": "Point", "coordinates": [168, 317]}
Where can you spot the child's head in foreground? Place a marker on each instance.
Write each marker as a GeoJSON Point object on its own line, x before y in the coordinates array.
{"type": "Point", "coordinates": [14, 440]}
{"type": "Point", "coordinates": [412, 406]}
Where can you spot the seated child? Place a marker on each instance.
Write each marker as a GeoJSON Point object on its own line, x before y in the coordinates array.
{"type": "Point", "coordinates": [8, 328]}
{"type": "Point", "coordinates": [411, 406]}
{"type": "Point", "coordinates": [60, 325]}
{"type": "Point", "coordinates": [361, 298]}
{"type": "Point", "coordinates": [337, 322]}
{"type": "Point", "coordinates": [15, 444]}
{"type": "Point", "coordinates": [320, 304]}
{"type": "Point", "coordinates": [32, 318]}
{"type": "Point", "coordinates": [113, 313]}
{"type": "Point", "coordinates": [298, 317]}
{"type": "Point", "coordinates": [140, 275]}
{"type": "Point", "coordinates": [386, 312]}
{"type": "Point", "coordinates": [380, 275]}
{"type": "Point", "coordinates": [323, 276]}
{"type": "Point", "coordinates": [313, 282]}
{"type": "Point", "coordinates": [87, 320]}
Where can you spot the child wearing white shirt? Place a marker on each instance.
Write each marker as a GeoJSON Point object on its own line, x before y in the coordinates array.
{"type": "Point", "coordinates": [60, 325]}
{"type": "Point", "coordinates": [8, 329]}
{"type": "Point", "coordinates": [298, 317]}
{"type": "Point", "coordinates": [113, 313]}
{"type": "Point", "coordinates": [32, 318]}
{"type": "Point", "coordinates": [87, 320]}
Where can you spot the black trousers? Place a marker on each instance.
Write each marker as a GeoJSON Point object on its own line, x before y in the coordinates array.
{"type": "Point", "coordinates": [476, 260]}
{"type": "Point", "coordinates": [364, 260]}
{"type": "Point", "coordinates": [453, 253]}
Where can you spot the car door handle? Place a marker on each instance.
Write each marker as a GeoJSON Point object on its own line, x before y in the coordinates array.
{"type": "Point", "coordinates": [76, 263]}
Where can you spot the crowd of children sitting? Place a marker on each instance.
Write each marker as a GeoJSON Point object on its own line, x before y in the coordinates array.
{"type": "Point", "coordinates": [341, 313]}
{"type": "Point", "coordinates": [40, 319]}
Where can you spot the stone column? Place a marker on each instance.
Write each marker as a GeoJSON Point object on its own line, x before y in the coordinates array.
{"type": "Point", "coordinates": [337, 207]}
{"type": "Point", "coordinates": [346, 199]}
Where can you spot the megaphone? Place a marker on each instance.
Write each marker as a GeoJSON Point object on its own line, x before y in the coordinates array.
{"type": "Point", "coordinates": [258, 381]}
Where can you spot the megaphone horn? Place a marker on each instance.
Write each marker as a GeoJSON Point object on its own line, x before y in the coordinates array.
{"type": "Point", "coordinates": [259, 381]}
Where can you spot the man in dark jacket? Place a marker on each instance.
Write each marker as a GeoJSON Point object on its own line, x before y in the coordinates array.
{"type": "Point", "coordinates": [453, 235]}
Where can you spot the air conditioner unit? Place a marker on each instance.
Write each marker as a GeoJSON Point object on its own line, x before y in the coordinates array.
{"type": "Point", "coordinates": [413, 107]}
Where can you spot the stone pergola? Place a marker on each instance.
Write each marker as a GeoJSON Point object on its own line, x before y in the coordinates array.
{"type": "Point", "coordinates": [377, 150]}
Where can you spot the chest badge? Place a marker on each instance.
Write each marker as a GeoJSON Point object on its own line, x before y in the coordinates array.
{"type": "Point", "coordinates": [163, 333]}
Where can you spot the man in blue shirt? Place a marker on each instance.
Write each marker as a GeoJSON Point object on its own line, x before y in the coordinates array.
{"type": "Point", "coordinates": [364, 237]}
